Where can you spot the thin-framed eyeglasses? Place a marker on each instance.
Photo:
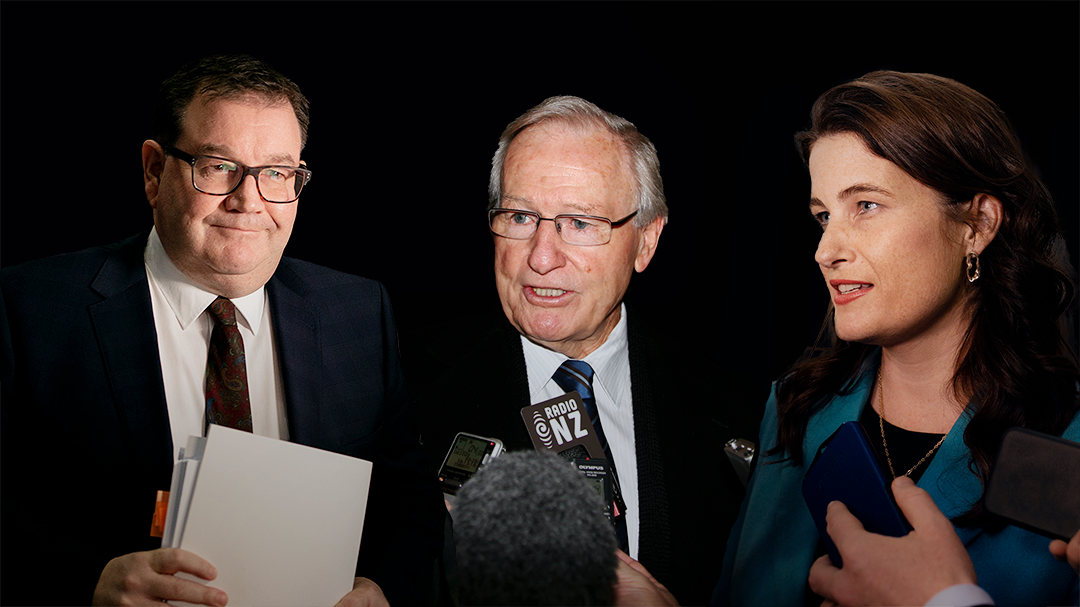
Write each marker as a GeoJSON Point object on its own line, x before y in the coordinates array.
{"type": "Point", "coordinates": [220, 177]}
{"type": "Point", "coordinates": [581, 230]}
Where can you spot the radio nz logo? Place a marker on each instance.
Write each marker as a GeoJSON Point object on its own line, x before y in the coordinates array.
{"type": "Point", "coordinates": [555, 422]}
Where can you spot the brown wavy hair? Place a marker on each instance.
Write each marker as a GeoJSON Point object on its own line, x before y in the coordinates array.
{"type": "Point", "coordinates": [1015, 366]}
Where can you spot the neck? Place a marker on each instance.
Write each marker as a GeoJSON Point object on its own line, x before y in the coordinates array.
{"type": "Point", "coordinates": [579, 349]}
{"type": "Point", "coordinates": [917, 377]}
{"type": "Point", "coordinates": [230, 286]}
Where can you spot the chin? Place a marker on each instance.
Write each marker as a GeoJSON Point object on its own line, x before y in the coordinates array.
{"type": "Point", "coordinates": [242, 259]}
{"type": "Point", "coordinates": [853, 332]}
{"type": "Point", "coordinates": [231, 268]}
{"type": "Point", "coordinates": [543, 331]}
{"type": "Point", "coordinates": [543, 327]}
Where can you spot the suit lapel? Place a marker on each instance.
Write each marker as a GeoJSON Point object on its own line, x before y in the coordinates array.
{"type": "Point", "coordinates": [511, 367]}
{"type": "Point", "coordinates": [654, 526]}
{"type": "Point", "coordinates": [124, 324]}
{"type": "Point", "coordinates": [950, 482]}
{"type": "Point", "coordinates": [505, 377]}
{"type": "Point", "coordinates": [296, 335]}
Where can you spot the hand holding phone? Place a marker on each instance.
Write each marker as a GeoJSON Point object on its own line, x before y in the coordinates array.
{"type": "Point", "coordinates": [906, 570]}
{"type": "Point", "coordinates": [848, 471]}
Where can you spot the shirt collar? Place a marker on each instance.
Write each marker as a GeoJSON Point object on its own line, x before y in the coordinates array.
{"type": "Point", "coordinates": [606, 360]}
{"type": "Point", "coordinates": [186, 299]}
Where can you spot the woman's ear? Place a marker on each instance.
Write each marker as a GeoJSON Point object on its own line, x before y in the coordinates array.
{"type": "Point", "coordinates": [986, 216]}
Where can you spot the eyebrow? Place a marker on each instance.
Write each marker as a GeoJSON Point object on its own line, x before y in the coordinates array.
{"type": "Point", "coordinates": [578, 208]}
{"type": "Point", "coordinates": [275, 160]}
{"type": "Point", "coordinates": [862, 188]}
{"type": "Point", "coordinates": [518, 199]}
{"type": "Point", "coordinates": [854, 190]}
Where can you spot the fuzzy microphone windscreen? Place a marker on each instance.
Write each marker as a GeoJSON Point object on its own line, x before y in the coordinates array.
{"type": "Point", "coordinates": [531, 531]}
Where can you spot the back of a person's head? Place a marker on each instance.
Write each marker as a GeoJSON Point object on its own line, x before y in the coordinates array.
{"type": "Point", "coordinates": [531, 531]}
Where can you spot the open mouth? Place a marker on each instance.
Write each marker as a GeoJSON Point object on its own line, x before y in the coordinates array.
{"type": "Point", "coordinates": [849, 288]}
{"type": "Point", "coordinates": [849, 291]}
{"type": "Point", "coordinates": [548, 292]}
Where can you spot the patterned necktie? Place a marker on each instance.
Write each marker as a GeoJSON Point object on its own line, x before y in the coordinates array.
{"type": "Point", "coordinates": [578, 375]}
{"type": "Point", "coordinates": [227, 402]}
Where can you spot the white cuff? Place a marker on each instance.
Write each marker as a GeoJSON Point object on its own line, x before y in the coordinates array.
{"type": "Point", "coordinates": [961, 595]}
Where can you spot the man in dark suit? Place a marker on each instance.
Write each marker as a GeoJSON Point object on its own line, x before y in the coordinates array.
{"type": "Point", "coordinates": [576, 208]}
{"type": "Point", "coordinates": [105, 356]}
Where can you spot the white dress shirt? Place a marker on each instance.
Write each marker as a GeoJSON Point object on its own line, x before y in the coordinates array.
{"type": "Point", "coordinates": [611, 387]}
{"type": "Point", "coordinates": [183, 336]}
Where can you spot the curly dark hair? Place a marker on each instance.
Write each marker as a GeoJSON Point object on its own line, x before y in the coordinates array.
{"type": "Point", "coordinates": [1015, 367]}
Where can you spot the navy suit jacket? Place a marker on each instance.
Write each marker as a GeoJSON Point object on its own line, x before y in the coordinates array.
{"type": "Point", "coordinates": [689, 493]}
{"type": "Point", "coordinates": [85, 430]}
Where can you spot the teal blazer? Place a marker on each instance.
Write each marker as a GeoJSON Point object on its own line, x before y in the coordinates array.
{"type": "Point", "coordinates": [773, 543]}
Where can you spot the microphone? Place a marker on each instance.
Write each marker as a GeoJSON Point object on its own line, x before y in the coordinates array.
{"type": "Point", "coordinates": [530, 530]}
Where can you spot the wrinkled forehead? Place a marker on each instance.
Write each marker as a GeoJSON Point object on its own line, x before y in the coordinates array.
{"type": "Point", "coordinates": [592, 139]}
{"type": "Point", "coordinates": [556, 153]}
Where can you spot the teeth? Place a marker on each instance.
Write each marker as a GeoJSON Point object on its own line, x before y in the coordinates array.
{"type": "Point", "coordinates": [849, 288]}
{"type": "Point", "coordinates": [549, 292]}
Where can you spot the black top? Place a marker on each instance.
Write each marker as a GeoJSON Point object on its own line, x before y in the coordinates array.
{"type": "Point", "coordinates": [905, 446]}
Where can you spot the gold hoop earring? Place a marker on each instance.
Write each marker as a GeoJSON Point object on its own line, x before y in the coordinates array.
{"type": "Point", "coordinates": [972, 266]}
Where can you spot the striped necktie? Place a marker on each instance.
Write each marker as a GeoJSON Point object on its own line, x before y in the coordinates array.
{"type": "Point", "coordinates": [578, 375]}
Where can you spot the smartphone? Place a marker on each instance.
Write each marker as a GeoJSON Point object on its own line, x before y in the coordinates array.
{"type": "Point", "coordinates": [848, 471]}
{"type": "Point", "coordinates": [1035, 483]}
{"type": "Point", "coordinates": [466, 455]}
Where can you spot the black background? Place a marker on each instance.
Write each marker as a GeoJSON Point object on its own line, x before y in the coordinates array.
{"type": "Point", "coordinates": [408, 100]}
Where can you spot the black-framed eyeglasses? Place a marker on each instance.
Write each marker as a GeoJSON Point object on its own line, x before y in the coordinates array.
{"type": "Point", "coordinates": [220, 176]}
{"type": "Point", "coordinates": [581, 230]}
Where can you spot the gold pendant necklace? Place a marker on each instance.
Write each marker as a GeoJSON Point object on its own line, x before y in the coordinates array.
{"type": "Point", "coordinates": [881, 424]}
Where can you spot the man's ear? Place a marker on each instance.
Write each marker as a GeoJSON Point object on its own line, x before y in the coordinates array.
{"type": "Point", "coordinates": [985, 220]}
{"type": "Point", "coordinates": [153, 163]}
{"type": "Point", "coordinates": [650, 238]}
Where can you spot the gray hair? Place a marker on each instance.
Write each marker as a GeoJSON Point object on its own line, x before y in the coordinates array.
{"type": "Point", "coordinates": [577, 113]}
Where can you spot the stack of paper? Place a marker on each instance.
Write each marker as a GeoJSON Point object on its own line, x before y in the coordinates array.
{"type": "Point", "coordinates": [280, 522]}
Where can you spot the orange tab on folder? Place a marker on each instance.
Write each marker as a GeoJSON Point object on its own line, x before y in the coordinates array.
{"type": "Point", "coordinates": [157, 525]}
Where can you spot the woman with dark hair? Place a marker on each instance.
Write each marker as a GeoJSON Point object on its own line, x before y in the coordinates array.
{"type": "Point", "coordinates": [948, 277]}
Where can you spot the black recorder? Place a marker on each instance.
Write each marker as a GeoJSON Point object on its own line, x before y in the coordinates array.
{"type": "Point", "coordinates": [561, 425]}
{"type": "Point", "coordinates": [597, 473]}
{"type": "Point", "coordinates": [1035, 483]}
{"type": "Point", "coordinates": [465, 457]}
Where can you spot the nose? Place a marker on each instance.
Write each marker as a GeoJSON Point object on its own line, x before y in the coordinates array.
{"type": "Point", "coordinates": [246, 197]}
{"type": "Point", "coordinates": [546, 253]}
{"type": "Point", "coordinates": [834, 247]}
